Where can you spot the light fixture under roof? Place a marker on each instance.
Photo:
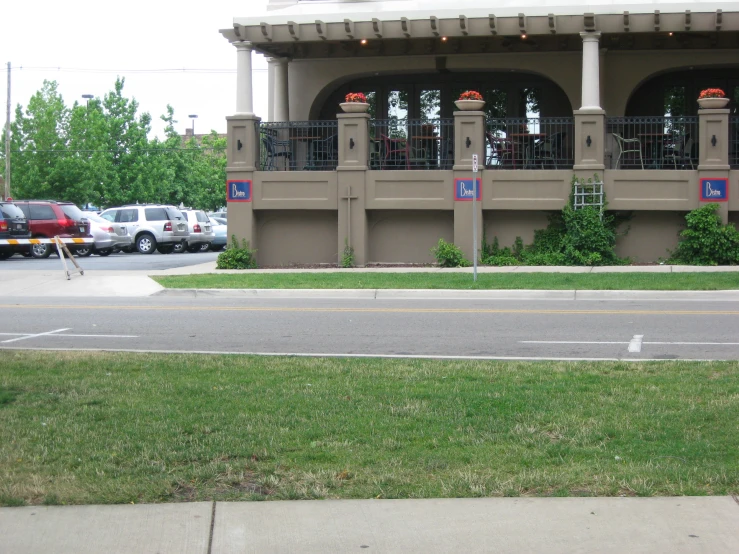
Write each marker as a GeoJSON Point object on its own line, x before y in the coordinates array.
{"type": "Point", "coordinates": [443, 39]}
{"type": "Point", "coordinates": [363, 41]}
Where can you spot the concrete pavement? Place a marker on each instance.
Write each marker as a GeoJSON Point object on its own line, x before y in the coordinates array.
{"type": "Point", "coordinates": [552, 525]}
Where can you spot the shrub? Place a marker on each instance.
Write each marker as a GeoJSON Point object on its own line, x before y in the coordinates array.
{"type": "Point", "coordinates": [237, 256]}
{"type": "Point", "coordinates": [347, 256]}
{"type": "Point", "coordinates": [706, 241]}
{"type": "Point", "coordinates": [447, 254]}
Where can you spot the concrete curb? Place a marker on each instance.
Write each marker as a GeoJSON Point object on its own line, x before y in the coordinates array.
{"type": "Point", "coordinates": [452, 294]}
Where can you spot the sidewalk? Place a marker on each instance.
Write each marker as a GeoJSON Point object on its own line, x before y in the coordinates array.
{"type": "Point", "coordinates": [470, 525]}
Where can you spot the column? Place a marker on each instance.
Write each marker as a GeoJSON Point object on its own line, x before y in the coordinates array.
{"type": "Point", "coordinates": [281, 94]}
{"type": "Point", "coordinates": [351, 173]}
{"type": "Point", "coordinates": [590, 119]}
{"type": "Point", "coordinates": [271, 62]}
{"type": "Point", "coordinates": [713, 158]}
{"type": "Point", "coordinates": [590, 71]}
{"type": "Point", "coordinates": [244, 98]}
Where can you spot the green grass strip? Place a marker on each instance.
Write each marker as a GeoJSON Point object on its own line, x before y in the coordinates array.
{"type": "Point", "coordinates": [109, 428]}
{"type": "Point", "coordinates": [485, 281]}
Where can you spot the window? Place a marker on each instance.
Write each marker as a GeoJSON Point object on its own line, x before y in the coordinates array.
{"type": "Point", "coordinates": [11, 211]}
{"type": "Point", "coordinates": [128, 215]}
{"type": "Point", "coordinates": [42, 211]}
{"type": "Point", "coordinates": [201, 217]}
{"type": "Point", "coordinates": [72, 211]}
{"type": "Point", "coordinates": [155, 214]}
{"type": "Point", "coordinates": [109, 215]}
{"type": "Point", "coordinates": [174, 213]}
{"type": "Point", "coordinates": [430, 103]}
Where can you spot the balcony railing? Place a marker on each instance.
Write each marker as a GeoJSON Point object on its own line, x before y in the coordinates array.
{"type": "Point", "coordinates": [411, 144]}
{"type": "Point", "coordinates": [298, 145]}
{"type": "Point", "coordinates": [734, 142]}
{"type": "Point", "coordinates": [652, 142]}
{"type": "Point", "coordinates": [530, 143]}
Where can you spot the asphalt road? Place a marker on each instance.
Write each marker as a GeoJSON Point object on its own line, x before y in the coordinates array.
{"type": "Point", "coordinates": [487, 329]}
{"type": "Point", "coordinates": [114, 262]}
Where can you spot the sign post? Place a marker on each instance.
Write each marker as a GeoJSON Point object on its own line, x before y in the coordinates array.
{"type": "Point", "coordinates": [474, 217]}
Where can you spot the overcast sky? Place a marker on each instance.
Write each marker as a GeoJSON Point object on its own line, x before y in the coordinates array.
{"type": "Point", "coordinates": [85, 45]}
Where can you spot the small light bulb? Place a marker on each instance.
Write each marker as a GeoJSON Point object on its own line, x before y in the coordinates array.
{"type": "Point", "coordinates": [670, 33]}
{"type": "Point", "coordinates": [523, 35]}
{"type": "Point", "coordinates": [443, 39]}
{"type": "Point", "coordinates": [363, 41]}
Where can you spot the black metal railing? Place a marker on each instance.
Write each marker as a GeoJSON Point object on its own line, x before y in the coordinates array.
{"type": "Point", "coordinates": [530, 143]}
{"type": "Point", "coordinates": [411, 144]}
{"type": "Point", "coordinates": [652, 142]}
{"type": "Point", "coordinates": [298, 145]}
{"type": "Point", "coordinates": [734, 142]}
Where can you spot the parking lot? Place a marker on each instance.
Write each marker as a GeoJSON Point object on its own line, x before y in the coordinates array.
{"type": "Point", "coordinates": [116, 262]}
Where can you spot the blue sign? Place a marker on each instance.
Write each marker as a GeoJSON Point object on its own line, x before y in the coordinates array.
{"type": "Point", "coordinates": [463, 190]}
{"type": "Point", "coordinates": [714, 190]}
{"type": "Point", "coordinates": [238, 191]}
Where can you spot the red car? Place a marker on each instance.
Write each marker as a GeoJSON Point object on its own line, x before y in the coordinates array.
{"type": "Point", "coordinates": [47, 219]}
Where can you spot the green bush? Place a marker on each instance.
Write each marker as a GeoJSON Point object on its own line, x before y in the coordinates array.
{"type": "Point", "coordinates": [447, 254]}
{"type": "Point", "coordinates": [237, 256]}
{"type": "Point", "coordinates": [706, 241]}
{"type": "Point", "coordinates": [347, 256]}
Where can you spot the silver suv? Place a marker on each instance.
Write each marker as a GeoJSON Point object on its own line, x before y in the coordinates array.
{"type": "Point", "coordinates": [152, 226]}
{"type": "Point", "coordinates": [201, 230]}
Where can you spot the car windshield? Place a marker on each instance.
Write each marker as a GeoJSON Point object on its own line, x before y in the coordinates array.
{"type": "Point", "coordinates": [201, 217]}
{"type": "Point", "coordinates": [174, 213]}
{"type": "Point", "coordinates": [72, 211]}
{"type": "Point", "coordinates": [11, 211]}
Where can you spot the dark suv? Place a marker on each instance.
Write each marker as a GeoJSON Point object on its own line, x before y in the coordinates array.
{"type": "Point", "coordinates": [47, 218]}
{"type": "Point", "coordinates": [13, 225]}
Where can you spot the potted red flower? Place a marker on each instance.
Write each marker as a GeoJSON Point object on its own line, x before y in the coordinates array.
{"type": "Point", "coordinates": [470, 100]}
{"type": "Point", "coordinates": [355, 102]}
{"type": "Point", "coordinates": [712, 98]}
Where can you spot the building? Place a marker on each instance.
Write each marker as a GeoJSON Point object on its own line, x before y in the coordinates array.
{"type": "Point", "coordinates": [598, 88]}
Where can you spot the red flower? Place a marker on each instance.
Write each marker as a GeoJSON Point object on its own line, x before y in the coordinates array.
{"type": "Point", "coordinates": [356, 97]}
{"type": "Point", "coordinates": [470, 95]}
{"type": "Point", "coordinates": [712, 93]}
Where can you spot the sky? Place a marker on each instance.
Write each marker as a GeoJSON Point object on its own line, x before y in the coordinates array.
{"type": "Point", "coordinates": [84, 46]}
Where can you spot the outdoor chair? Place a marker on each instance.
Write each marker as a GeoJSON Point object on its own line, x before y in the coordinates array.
{"type": "Point", "coordinates": [625, 146]}
{"type": "Point", "coordinates": [395, 152]}
{"type": "Point", "coordinates": [501, 151]}
{"type": "Point", "coordinates": [549, 149]}
{"type": "Point", "coordinates": [323, 153]}
{"type": "Point", "coordinates": [275, 148]}
{"type": "Point", "coordinates": [680, 152]}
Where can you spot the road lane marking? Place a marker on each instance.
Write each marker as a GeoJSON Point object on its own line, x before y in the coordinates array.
{"type": "Point", "coordinates": [368, 310]}
{"type": "Point", "coordinates": [678, 343]}
{"type": "Point", "coordinates": [24, 336]}
{"type": "Point", "coordinates": [635, 344]}
{"type": "Point", "coordinates": [36, 335]}
{"type": "Point", "coordinates": [383, 356]}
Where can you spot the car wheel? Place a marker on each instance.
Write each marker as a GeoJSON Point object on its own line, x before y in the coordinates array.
{"type": "Point", "coordinates": [40, 250]}
{"type": "Point", "coordinates": [146, 244]}
{"type": "Point", "coordinates": [106, 252]}
{"type": "Point", "coordinates": [194, 248]}
{"type": "Point", "coordinates": [165, 248]}
{"type": "Point", "coordinates": [216, 247]}
{"type": "Point", "coordinates": [179, 248]}
{"type": "Point", "coordinates": [83, 251]}
{"type": "Point", "coordinates": [204, 247]}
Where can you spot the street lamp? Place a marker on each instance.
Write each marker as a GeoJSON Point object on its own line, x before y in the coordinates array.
{"type": "Point", "coordinates": [87, 99]}
{"type": "Point", "coordinates": [193, 117]}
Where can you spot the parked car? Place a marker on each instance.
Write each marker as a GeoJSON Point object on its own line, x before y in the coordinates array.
{"type": "Point", "coordinates": [220, 230]}
{"type": "Point", "coordinates": [13, 225]}
{"type": "Point", "coordinates": [49, 218]}
{"type": "Point", "coordinates": [108, 237]}
{"type": "Point", "coordinates": [201, 231]}
{"type": "Point", "coordinates": [151, 226]}
{"type": "Point", "coordinates": [218, 214]}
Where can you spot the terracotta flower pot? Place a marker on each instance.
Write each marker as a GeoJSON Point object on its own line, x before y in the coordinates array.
{"type": "Point", "coordinates": [712, 103]}
{"type": "Point", "coordinates": [470, 105]}
{"type": "Point", "coordinates": [354, 107]}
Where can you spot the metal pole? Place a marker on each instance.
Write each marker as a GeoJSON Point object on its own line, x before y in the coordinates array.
{"type": "Point", "coordinates": [7, 142]}
{"type": "Point", "coordinates": [474, 224]}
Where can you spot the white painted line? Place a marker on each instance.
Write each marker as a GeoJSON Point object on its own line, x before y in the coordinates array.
{"type": "Point", "coordinates": [31, 335]}
{"type": "Point", "coordinates": [635, 344]}
{"type": "Point", "coordinates": [379, 356]}
{"type": "Point", "coordinates": [37, 335]}
{"type": "Point", "coordinates": [677, 343]}
{"type": "Point", "coordinates": [569, 342]}
{"type": "Point", "coordinates": [698, 343]}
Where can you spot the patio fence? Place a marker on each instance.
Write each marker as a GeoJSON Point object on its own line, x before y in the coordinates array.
{"type": "Point", "coordinates": [411, 144]}
{"type": "Point", "coordinates": [530, 143]}
{"type": "Point", "coordinates": [298, 145]}
{"type": "Point", "coordinates": [652, 142]}
{"type": "Point", "coordinates": [734, 142]}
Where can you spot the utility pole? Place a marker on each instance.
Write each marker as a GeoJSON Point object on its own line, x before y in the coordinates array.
{"type": "Point", "coordinates": [7, 142]}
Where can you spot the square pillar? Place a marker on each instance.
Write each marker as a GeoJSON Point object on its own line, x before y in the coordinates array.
{"type": "Point", "coordinates": [243, 142]}
{"type": "Point", "coordinates": [242, 160]}
{"type": "Point", "coordinates": [469, 138]}
{"type": "Point", "coordinates": [353, 154]}
{"type": "Point", "coordinates": [590, 129]}
{"type": "Point", "coordinates": [463, 210]}
{"type": "Point", "coordinates": [713, 153]}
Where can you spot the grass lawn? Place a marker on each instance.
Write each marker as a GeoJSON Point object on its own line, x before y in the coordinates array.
{"type": "Point", "coordinates": [545, 281]}
{"type": "Point", "coordinates": [118, 428]}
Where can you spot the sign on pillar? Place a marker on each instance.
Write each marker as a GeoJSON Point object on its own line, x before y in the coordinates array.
{"type": "Point", "coordinates": [714, 190]}
{"type": "Point", "coordinates": [238, 191]}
